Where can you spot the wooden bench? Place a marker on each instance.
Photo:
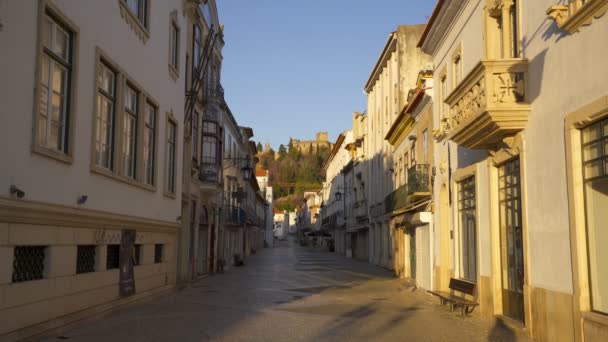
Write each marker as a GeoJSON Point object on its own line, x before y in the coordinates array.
{"type": "Point", "coordinates": [463, 287]}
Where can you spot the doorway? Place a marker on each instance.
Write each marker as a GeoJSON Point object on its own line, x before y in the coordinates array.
{"type": "Point", "coordinates": [511, 240]}
{"type": "Point", "coordinates": [413, 253]}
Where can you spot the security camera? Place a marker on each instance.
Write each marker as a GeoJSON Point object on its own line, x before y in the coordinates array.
{"type": "Point", "coordinates": [16, 191]}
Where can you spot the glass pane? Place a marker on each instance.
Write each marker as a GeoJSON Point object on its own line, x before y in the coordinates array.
{"type": "Point", "coordinates": [593, 169]}
{"type": "Point", "coordinates": [592, 132]}
{"type": "Point", "coordinates": [597, 216]}
{"type": "Point", "coordinates": [47, 32]}
{"type": "Point", "coordinates": [592, 151]}
{"type": "Point", "coordinates": [46, 61]}
{"type": "Point", "coordinates": [59, 79]}
{"type": "Point", "coordinates": [106, 79]}
{"type": "Point", "coordinates": [150, 115]}
{"type": "Point", "coordinates": [131, 100]}
{"type": "Point", "coordinates": [133, 6]}
{"type": "Point", "coordinates": [62, 40]}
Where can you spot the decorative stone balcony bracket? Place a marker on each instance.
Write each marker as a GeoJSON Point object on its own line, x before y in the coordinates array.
{"type": "Point", "coordinates": [489, 104]}
{"type": "Point", "coordinates": [573, 16]}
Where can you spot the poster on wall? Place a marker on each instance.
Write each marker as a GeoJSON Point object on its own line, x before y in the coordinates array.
{"type": "Point", "coordinates": [127, 276]}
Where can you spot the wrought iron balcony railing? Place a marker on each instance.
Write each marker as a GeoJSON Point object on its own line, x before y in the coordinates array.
{"type": "Point", "coordinates": [418, 180]}
{"type": "Point", "coordinates": [234, 215]}
{"type": "Point", "coordinates": [418, 187]}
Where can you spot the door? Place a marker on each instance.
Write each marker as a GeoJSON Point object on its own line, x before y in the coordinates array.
{"type": "Point", "coordinates": [202, 250]}
{"type": "Point", "coordinates": [423, 258]}
{"type": "Point", "coordinates": [413, 253]}
{"type": "Point", "coordinates": [212, 248]}
{"type": "Point", "coordinates": [511, 243]}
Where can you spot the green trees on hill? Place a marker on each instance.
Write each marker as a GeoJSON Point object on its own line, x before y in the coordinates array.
{"type": "Point", "coordinates": [293, 173]}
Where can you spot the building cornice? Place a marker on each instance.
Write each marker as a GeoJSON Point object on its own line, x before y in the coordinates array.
{"type": "Point", "coordinates": [439, 24]}
{"type": "Point", "coordinates": [389, 47]}
{"type": "Point", "coordinates": [39, 213]}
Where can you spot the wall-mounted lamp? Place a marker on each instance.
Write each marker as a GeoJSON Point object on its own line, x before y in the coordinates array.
{"type": "Point", "coordinates": [82, 199]}
{"type": "Point", "coordinates": [412, 138]}
{"type": "Point", "coordinates": [178, 219]}
{"type": "Point", "coordinates": [16, 191]}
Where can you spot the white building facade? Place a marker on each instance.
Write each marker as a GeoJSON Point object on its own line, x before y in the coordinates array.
{"type": "Point", "coordinates": [91, 149]}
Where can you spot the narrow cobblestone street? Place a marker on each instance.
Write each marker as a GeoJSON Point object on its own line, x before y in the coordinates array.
{"type": "Point", "coordinates": [290, 293]}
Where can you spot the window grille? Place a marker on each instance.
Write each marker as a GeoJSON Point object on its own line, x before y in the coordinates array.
{"type": "Point", "coordinates": [112, 259]}
{"type": "Point", "coordinates": [85, 259]}
{"type": "Point", "coordinates": [158, 253]}
{"type": "Point", "coordinates": [137, 255]}
{"type": "Point", "coordinates": [28, 263]}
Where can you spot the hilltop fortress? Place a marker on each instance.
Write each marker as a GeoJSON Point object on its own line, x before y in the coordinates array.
{"type": "Point", "coordinates": [312, 146]}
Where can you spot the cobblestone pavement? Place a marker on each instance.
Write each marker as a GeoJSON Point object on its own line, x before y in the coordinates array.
{"type": "Point", "coordinates": [290, 293]}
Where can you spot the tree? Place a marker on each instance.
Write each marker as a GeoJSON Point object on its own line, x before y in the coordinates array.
{"type": "Point", "coordinates": [282, 151]}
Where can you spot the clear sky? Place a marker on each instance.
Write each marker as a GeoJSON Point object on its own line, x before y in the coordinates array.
{"type": "Point", "coordinates": [292, 68]}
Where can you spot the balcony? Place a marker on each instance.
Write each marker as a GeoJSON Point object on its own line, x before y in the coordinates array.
{"type": "Point", "coordinates": [488, 105]}
{"type": "Point", "coordinates": [418, 188]}
{"type": "Point", "coordinates": [233, 215]}
{"type": "Point", "coordinates": [360, 210]}
{"type": "Point", "coordinates": [213, 93]}
{"type": "Point", "coordinates": [396, 200]}
{"type": "Point", "coordinates": [418, 182]}
{"type": "Point", "coordinates": [210, 173]}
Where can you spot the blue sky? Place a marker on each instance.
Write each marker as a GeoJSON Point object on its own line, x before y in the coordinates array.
{"type": "Point", "coordinates": [292, 68]}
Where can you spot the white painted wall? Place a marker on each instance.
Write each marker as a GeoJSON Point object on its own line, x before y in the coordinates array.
{"type": "Point", "coordinates": [100, 25]}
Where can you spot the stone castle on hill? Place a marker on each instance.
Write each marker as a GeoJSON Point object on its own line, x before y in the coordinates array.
{"type": "Point", "coordinates": [312, 146]}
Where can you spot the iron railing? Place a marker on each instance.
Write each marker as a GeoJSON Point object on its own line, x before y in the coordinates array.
{"type": "Point", "coordinates": [418, 179]}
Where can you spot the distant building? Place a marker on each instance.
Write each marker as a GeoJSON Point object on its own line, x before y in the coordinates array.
{"type": "Point", "coordinates": [312, 146]}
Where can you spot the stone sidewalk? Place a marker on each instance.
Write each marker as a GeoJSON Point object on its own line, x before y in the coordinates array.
{"type": "Point", "coordinates": [290, 293]}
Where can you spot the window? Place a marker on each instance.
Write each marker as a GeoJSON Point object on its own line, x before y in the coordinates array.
{"type": "Point", "coordinates": [105, 116]}
{"type": "Point", "coordinates": [149, 143]}
{"type": "Point", "coordinates": [171, 154]}
{"type": "Point", "coordinates": [195, 135]}
{"type": "Point", "coordinates": [125, 127]}
{"type": "Point", "coordinates": [595, 174]}
{"type": "Point", "coordinates": [457, 70]}
{"type": "Point", "coordinates": [85, 259]}
{"type": "Point", "coordinates": [158, 253]}
{"type": "Point", "coordinates": [413, 153]}
{"type": "Point", "coordinates": [197, 50]}
{"type": "Point", "coordinates": [113, 257]}
{"type": "Point", "coordinates": [174, 45]}
{"type": "Point", "coordinates": [139, 9]}
{"type": "Point", "coordinates": [468, 232]}
{"type": "Point", "coordinates": [502, 26]}
{"type": "Point", "coordinates": [425, 145]}
{"type": "Point", "coordinates": [443, 107]}
{"type": "Point", "coordinates": [28, 263]}
{"type": "Point", "coordinates": [130, 132]}
{"type": "Point", "coordinates": [136, 255]}
{"type": "Point", "coordinates": [53, 117]}
{"type": "Point", "coordinates": [210, 143]}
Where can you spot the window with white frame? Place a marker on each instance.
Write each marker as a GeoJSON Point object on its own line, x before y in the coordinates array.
{"type": "Point", "coordinates": [139, 8]}
{"type": "Point", "coordinates": [468, 231]}
{"type": "Point", "coordinates": [195, 135]}
{"type": "Point", "coordinates": [105, 117]}
{"type": "Point", "coordinates": [129, 142]}
{"type": "Point", "coordinates": [174, 45]}
{"type": "Point", "coordinates": [53, 129]}
{"type": "Point", "coordinates": [210, 143]}
{"type": "Point", "coordinates": [595, 175]}
{"type": "Point", "coordinates": [171, 156]}
{"type": "Point", "coordinates": [149, 151]}
{"type": "Point", "coordinates": [197, 49]}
